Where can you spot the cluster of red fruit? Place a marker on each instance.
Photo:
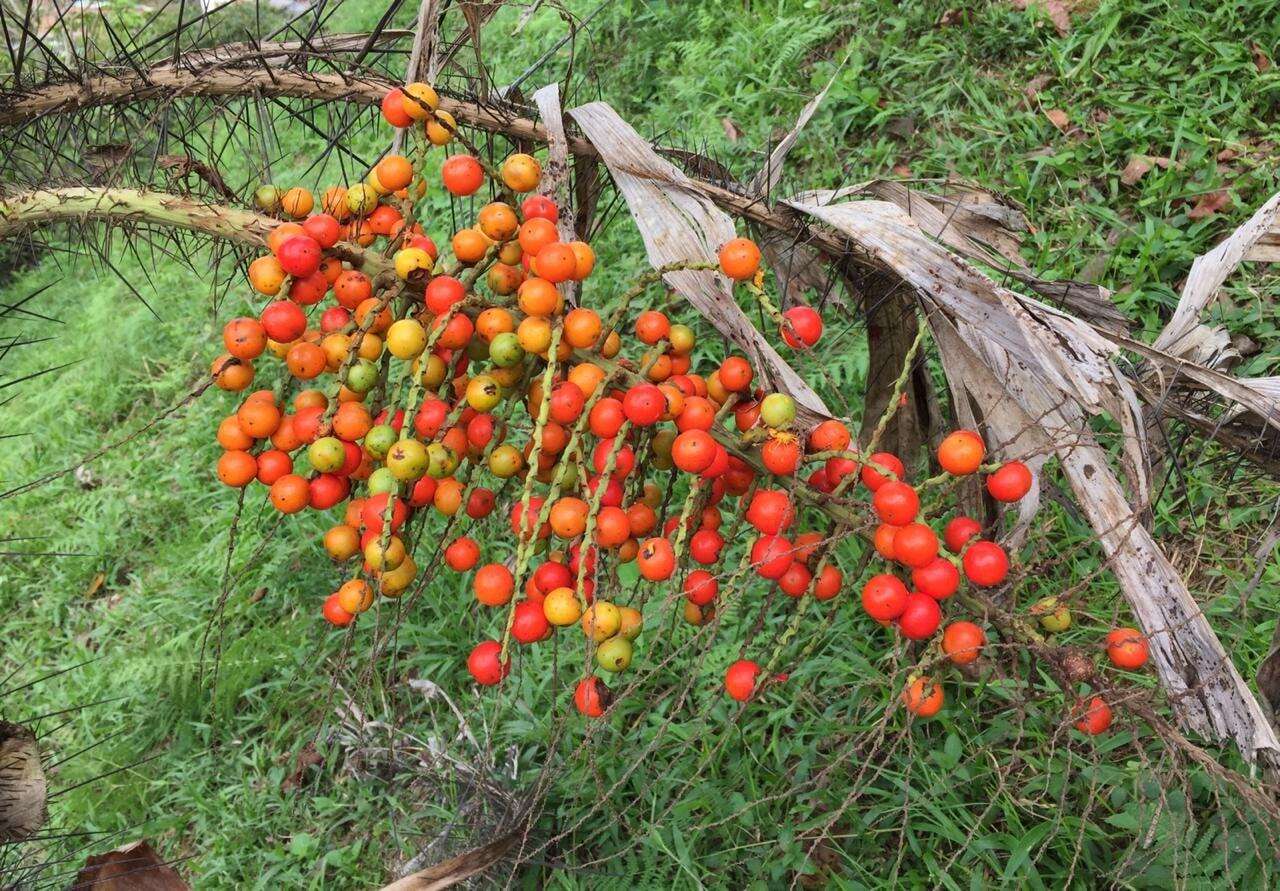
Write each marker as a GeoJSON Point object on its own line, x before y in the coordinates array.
{"type": "Point", "coordinates": [496, 378]}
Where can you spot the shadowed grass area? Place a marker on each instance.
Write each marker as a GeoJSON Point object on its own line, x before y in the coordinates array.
{"type": "Point", "coordinates": [998, 790]}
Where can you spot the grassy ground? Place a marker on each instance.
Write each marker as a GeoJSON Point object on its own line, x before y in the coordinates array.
{"type": "Point", "coordinates": [994, 792]}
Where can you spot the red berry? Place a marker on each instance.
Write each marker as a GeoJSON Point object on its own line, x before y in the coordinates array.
{"type": "Point", "coordinates": [462, 554]}
{"type": "Point", "coordinates": [300, 256]}
{"type": "Point", "coordinates": [1094, 717]}
{"type": "Point", "coordinates": [771, 511]}
{"type": "Point", "coordinates": [591, 696]}
{"type": "Point", "coordinates": [485, 663]}
{"type": "Point", "coordinates": [284, 321]}
{"type": "Point", "coordinates": [920, 616]}
{"type": "Point", "coordinates": [644, 405]}
{"type": "Point", "coordinates": [333, 612]}
{"type": "Point", "coordinates": [873, 479]}
{"type": "Point", "coordinates": [896, 503]}
{"type": "Point", "coordinates": [802, 327]}
{"type": "Point", "coordinates": [705, 546]}
{"type": "Point", "coordinates": [958, 532]}
{"type": "Point", "coordinates": [1010, 482]}
{"type": "Point", "coordinates": [938, 578]}
{"type": "Point", "coordinates": [915, 545]}
{"type": "Point", "coordinates": [884, 597]}
{"type": "Point", "coordinates": [771, 555]}
{"type": "Point", "coordinates": [701, 587]}
{"type": "Point", "coordinates": [529, 623]}
{"type": "Point", "coordinates": [985, 563]}
{"type": "Point", "coordinates": [740, 679]}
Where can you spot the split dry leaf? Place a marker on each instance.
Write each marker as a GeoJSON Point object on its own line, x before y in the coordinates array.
{"type": "Point", "coordinates": [133, 867]}
{"type": "Point", "coordinates": [95, 585]}
{"type": "Point", "coordinates": [1184, 336]}
{"type": "Point", "coordinates": [680, 224]}
{"type": "Point", "coordinates": [766, 178]}
{"type": "Point", "coordinates": [457, 869]}
{"type": "Point", "coordinates": [1051, 371]}
{"type": "Point", "coordinates": [555, 175]}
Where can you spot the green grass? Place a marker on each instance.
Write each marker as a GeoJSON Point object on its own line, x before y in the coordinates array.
{"type": "Point", "coordinates": [996, 791]}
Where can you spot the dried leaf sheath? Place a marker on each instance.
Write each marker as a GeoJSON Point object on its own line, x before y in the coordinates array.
{"type": "Point", "coordinates": [678, 223]}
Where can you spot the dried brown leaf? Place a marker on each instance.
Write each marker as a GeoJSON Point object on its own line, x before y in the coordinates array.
{"type": "Point", "coordinates": [1210, 203]}
{"type": "Point", "coordinates": [1056, 10]}
{"type": "Point", "coordinates": [1059, 119]}
{"type": "Point", "coordinates": [306, 759]}
{"type": "Point", "coordinates": [1136, 169]}
{"type": "Point", "coordinates": [731, 131]}
{"type": "Point", "coordinates": [133, 867]}
{"type": "Point", "coordinates": [95, 585]}
{"type": "Point", "coordinates": [1036, 84]}
{"type": "Point", "coordinates": [1261, 60]}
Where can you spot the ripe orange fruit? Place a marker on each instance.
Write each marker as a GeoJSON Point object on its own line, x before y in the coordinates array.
{"type": "Point", "coordinates": [652, 326]}
{"type": "Point", "coordinates": [493, 584]}
{"type": "Point", "coordinates": [961, 453]}
{"type": "Point", "coordinates": [740, 258]}
{"type": "Point", "coordinates": [734, 375]}
{"type": "Point", "coordinates": [418, 100]}
{"type": "Point", "coordinates": [258, 418]}
{"type": "Point", "coordinates": [231, 437]}
{"type": "Point", "coordinates": [469, 246]}
{"type": "Point", "coordinates": [521, 173]}
{"type": "Point", "coordinates": [237, 468]}
{"type": "Point", "coordinates": [585, 259]}
{"type": "Point", "coordinates": [394, 172]}
{"type": "Point", "coordinates": [462, 175]}
{"type": "Point", "coordinates": [282, 233]}
{"type": "Point", "coordinates": [1127, 648]}
{"type": "Point", "coordinates": [290, 494]}
{"type": "Point", "coordinates": [498, 221]}
{"type": "Point", "coordinates": [556, 262]}
{"type": "Point", "coordinates": [963, 642]}
{"type": "Point", "coordinates": [266, 275]}
{"type": "Point", "coordinates": [297, 202]}
{"type": "Point", "coordinates": [355, 596]}
{"type": "Point", "coordinates": [305, 360]}
{"type": "Point", "coordinates": [538, 297]}
{"type": "Point", "coordinates": [230, 373]}
{"type": "Point", "coordinates": [342, 542]}
{"type": "Point", "coordinates": [923, 697]}
{"type": "Point", "coordinates": [535, 234]}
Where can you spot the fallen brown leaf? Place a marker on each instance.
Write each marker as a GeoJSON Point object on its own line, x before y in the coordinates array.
{"type": "Point", "coordinates": [1261, 60]}
{"type": "Point", "coordinates": [1059, 119]}
{"type": "Point", "coordinates": [134, 867]}
{"type": "Point", "coordinates": [1210, 203]}
{"type": "Point", "coordinates": [901, 170]}
{"type": "Point", "coordinates": [730, 129]}
{"type": "Point", "coordinates": [1138, 167]}
{"type": "Point", "coordinates": [953, 16]}
{"type": "Point", "coordinates": [1036, 84]}
{"type": "Point", "coordinates": [1056, 10]}
{"type": "Point", "coordinates": [95, 585]}
{"type": "Point", "coordinates": [308, 758]}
